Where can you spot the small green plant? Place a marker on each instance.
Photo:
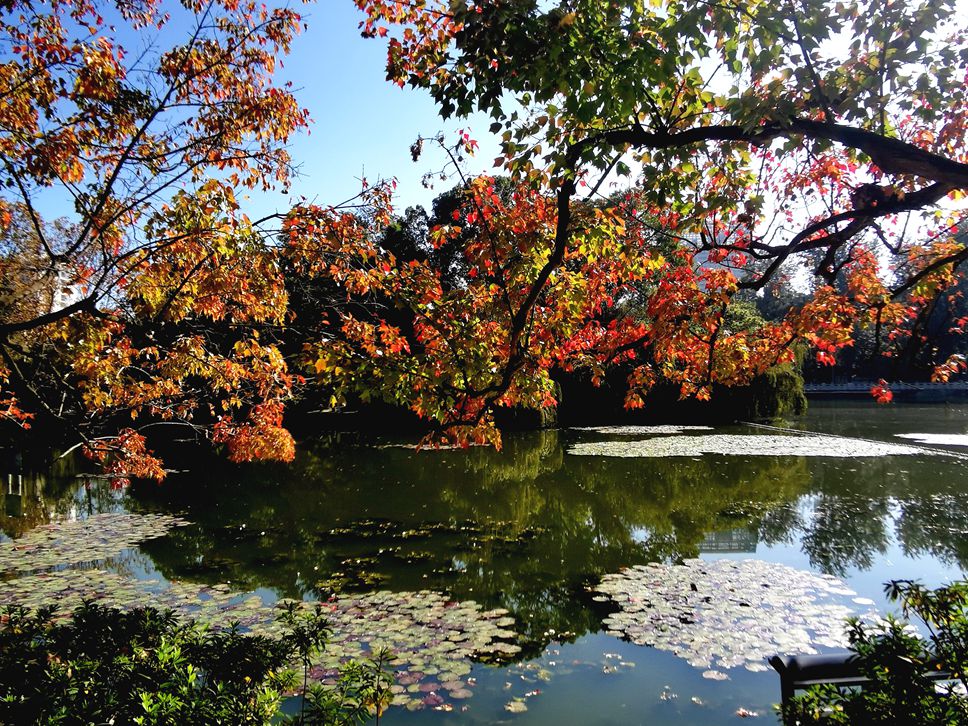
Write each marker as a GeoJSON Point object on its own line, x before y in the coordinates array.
{"type": "Point", "coordinates": [899, 663]}
{"type": "Point", "coordinates": [144, 666]}
{"type": "Point", "coordinates": [362, 692]}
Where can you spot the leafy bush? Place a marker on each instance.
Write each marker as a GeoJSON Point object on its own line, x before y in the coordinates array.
{"type": "Point", "coordinates": [362, 690]}
{"type": "Point", "coordinates": [898, 662]}
{"type": "Point", "coordinates": [144, 666]}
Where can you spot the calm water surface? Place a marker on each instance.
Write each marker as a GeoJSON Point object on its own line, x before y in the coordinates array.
{"type": "Point", "coordinates": [532, 528]}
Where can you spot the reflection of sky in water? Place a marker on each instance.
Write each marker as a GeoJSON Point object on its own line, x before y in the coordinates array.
{"type": "Point", "coordinates": [531, 527]}
{"type": "Point", "coordinates": [889, 562]}
{"type": "Point", "coordinates": [938, 439]}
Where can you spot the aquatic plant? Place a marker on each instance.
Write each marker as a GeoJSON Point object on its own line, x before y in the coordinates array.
{"type": "Point", "coordinates": [83, 540]}
{"type": "Point", "coordinates": [654, 430]}
{"type": "Point", "coordinates": [427, 639]}
{"type": "Point", "coordinates": [724, 614]}
{"type": "Point", "coordinates": [745, 445]}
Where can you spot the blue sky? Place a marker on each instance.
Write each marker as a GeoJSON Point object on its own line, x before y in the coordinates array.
{"type": "Point", "coordinates": [362, 124]}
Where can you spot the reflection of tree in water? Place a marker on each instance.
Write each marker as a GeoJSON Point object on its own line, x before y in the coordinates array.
{"type": "Point", "coordinates": [936, 524]}
{"type": "Point", "coordinates": [844, 523]}
{"type": "Point", "coordinates": [845, 531]}
{"type": "Point", "coordinates": [29, 498]}
{"type": "Point", "coordinates": [672, 504]}
{"type": "Point", "coordinates": [524, 457]}
{"type": "Point", "coordinates": [526, 528]}
{"type": "Point", "coordinates": [130, 563]}
{"type": "Point", "coordinates": [781, 525]}
{"type": "Point", "coordinates": [856, 503]}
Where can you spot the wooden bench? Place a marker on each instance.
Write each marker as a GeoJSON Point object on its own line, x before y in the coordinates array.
{"type": "Point", "coordinates": [839, 669]}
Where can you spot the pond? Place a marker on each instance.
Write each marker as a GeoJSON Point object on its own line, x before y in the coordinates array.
{"type": "Point", "coordinates": [607, 576]}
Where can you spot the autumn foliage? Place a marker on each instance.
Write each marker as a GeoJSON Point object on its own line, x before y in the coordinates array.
{"type": "Point", "coordinates": [763, 142]}
{"type": "Point", "coordinates": [147, 149]}
{"type": "Point", "coordinates": [756, 149]}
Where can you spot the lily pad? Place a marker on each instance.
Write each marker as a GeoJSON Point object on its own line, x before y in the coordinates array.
{"type": "Point", "coordinates": [82, 541]}
{"type": "Point", "coordinates": [426, 632]}
{"type": "Point", "coordinates": [745, 445]}
{"type": "Point", "coordinates": [661, 430]}
{"type": "Point", "coordinates": [516, 706]}
{"type": "Point", "coordinates": [725, 614]}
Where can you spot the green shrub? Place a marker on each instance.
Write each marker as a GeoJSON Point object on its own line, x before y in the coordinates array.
{"type": "Point", "coordinates": [362, 690]}
{"type": "Point", "coordinates": [144, 666]}
{"type": "Point", "coordinates": [897, 660]}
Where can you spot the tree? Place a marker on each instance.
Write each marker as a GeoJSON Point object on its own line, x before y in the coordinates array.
{"type": "Point", "coordinates": [31, 284]}
{"type": "Point", "coordinates": [146, 142]}
{"type": "Point", "coordinates": [897, 661]}
{"type": "Point", "coordinates": [764, 135]}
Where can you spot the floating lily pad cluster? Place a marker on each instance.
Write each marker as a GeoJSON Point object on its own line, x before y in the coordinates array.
{"type": "Point", "coordinates": [937, 439]}
{"type": "Point", "coordinates": [424, 446]}
{"type": "Point", "coordinates": [432, 638]}
{"type": "Point", "coordinates": [433, 641]}
{"type": "Point", "coordinates": [471, 530]}
{"type": "Point", "coordinates": [726, 614]}
{"type": "Point", "coordinates": [215, 606]}
{"type": "Point", "coordinates": [744, 445]}
{"type": "Point", "coordinates": [658, 430]}
{"type": "Point", "coordinates": [68, 588]}
{"type": "Point", "coordinates": [84, 540]}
